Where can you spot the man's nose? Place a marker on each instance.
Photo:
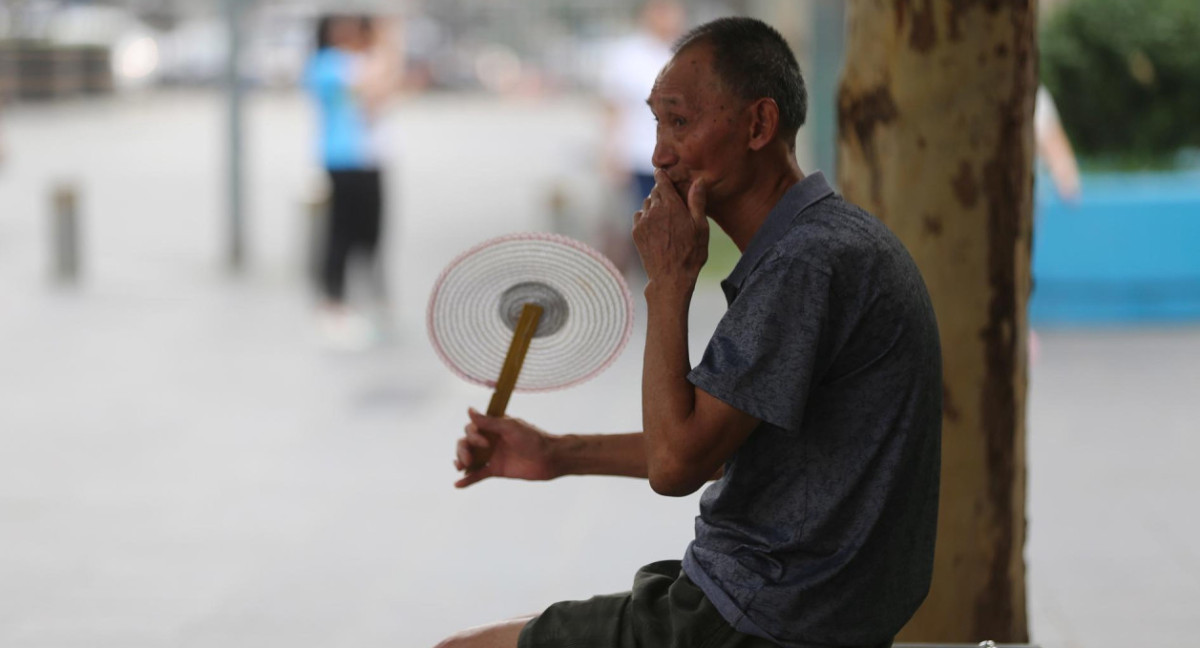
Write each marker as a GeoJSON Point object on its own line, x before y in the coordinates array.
{"type": "Point", "coordinates": [664, 154]}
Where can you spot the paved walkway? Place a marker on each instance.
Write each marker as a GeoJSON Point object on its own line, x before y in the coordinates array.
{"type": "Point", "coordinates": [181, 464]}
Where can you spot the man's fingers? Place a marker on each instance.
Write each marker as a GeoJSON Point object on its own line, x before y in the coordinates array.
{"type": "Point", "coordinates": [476, 438]}
{"type": "Point", "coordinates": [474, 445]}
{"type": "Point", "coordinates": [464, 452]}
{"type": "Point", "coordinates": [473, 440]}
{"type": "Point", "coordinates": [664, 187]}
{"type": "Point", "coordinates": [484, 423]}
{"type": "Point", "coordinates": [476, 417]}
{"type": "Point", "coordinates": [473, 436]}
{"type": "Point", "coordinates": [698, 203]}
{"type": "Point", "coordinates": [473, 477]}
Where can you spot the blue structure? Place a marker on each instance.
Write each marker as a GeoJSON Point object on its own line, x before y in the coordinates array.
{"type": "Point", "coordinates": [1128, 253]}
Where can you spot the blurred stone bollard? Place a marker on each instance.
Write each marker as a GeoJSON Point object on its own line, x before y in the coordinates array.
{"type": "Point", "coordinates": [562, 211]}
{"type": "Point", "coordinates": [65, 240]}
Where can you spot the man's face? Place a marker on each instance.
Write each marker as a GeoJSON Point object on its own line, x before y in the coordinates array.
{"type": "Point", "coordinates": [703, 129]}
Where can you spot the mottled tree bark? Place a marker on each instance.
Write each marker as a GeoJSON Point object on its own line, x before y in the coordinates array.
{"type": "Point", "coordinates": [935, 138]}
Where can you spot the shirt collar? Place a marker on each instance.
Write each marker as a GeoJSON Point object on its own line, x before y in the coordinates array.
{"type": "Point", "coordinates": [796, 199]}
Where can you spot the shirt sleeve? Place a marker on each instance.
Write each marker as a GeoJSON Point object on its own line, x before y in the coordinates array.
{"type": "Point", "coordinates": [329, 77]}
{"type": "Point", "coordinates": [766, 353]}
{"type": "Point", "coordinates": [1045, 113]}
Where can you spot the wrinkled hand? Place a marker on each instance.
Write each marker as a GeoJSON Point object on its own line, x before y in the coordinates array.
{"type": "Point", "coordinates": [518, 450]}
{"type": "Point", "coordinates": [671, 235]}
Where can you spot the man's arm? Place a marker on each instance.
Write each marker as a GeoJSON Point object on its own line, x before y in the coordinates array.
{"type": "Point", "coordinates": [522, 451]}
{"type": "Point", "coordinates": [689, 433]}
{"type": "Point", "coordinates": [618, 455]}
{"type": "Point", "coordinates": [519, 450]}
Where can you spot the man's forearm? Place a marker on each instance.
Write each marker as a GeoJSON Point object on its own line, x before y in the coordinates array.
{"type": "Point", "coordinates": [668, 399]}
{"type": "Point", "coordinates": [621, 455]}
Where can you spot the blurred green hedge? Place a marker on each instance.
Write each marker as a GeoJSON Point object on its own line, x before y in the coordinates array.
{"type": "Point", "coordinates": [1125, 75]}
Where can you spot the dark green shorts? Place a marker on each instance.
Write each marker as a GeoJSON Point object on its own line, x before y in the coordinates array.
{"type": "Point", "coordinates": [664, 610]}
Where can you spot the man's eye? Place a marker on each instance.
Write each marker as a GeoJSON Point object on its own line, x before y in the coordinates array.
{"type": "Point", "coordinates": [678, 121]}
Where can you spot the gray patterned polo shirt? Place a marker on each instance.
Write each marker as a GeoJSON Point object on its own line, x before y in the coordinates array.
{"type": "Point", "coordinates": [821, 531]}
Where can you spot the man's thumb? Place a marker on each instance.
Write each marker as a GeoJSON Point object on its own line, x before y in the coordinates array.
{"type": "Point", "coordinates": [697, 200]}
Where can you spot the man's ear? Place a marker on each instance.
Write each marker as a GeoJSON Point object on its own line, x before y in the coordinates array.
{"type": "Point", "coordinates": [764, 123]}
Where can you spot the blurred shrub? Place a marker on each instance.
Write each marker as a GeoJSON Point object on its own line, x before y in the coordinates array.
{"type": "Point", "coordinates": [1125, 75]}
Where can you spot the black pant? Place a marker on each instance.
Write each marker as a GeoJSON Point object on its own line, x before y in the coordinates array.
{"type": "Point", "coordinates": [355, 222]}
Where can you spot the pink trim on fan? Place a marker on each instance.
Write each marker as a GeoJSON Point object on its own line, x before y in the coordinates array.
{"type": "Point", "coordinates": [532, 236]}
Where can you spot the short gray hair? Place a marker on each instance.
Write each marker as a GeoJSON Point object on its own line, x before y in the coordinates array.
{"type": "Point", "coordinates": [754, 61]}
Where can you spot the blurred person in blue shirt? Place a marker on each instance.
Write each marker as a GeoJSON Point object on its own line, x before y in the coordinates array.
{"type": "Point", "coordinates": [353, 72]}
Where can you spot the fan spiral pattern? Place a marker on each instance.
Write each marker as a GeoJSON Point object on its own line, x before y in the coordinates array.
{"type": "Point", "coordinates": [469, 331]}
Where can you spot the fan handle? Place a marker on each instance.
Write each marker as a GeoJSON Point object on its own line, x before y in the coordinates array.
{"type": "Point", "coordinates": [531, 314]}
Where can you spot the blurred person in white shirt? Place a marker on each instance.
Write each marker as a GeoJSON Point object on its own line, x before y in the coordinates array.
{"type": "Point", "coordinates": [1054, 148]}
{"type": "Point", "coordinates": [629, 68]}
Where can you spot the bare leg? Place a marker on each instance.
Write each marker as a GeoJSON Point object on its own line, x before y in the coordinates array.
{"type": "Point", "coordinates": [496, 635]}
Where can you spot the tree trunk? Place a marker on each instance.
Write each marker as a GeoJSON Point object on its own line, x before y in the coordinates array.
{"type": "Point", "coordinates": [935, 119]}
